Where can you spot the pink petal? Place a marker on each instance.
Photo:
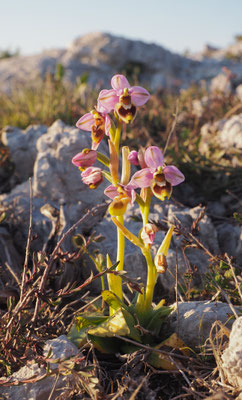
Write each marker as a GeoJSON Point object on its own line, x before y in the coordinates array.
{"type": "Point", "coordinates": [154, 157]}
{"type": "Point", "coordinates": [107, 125]}
{"type": "Point", "coordinates": [139, 95]}
{"type": "Point", "coordinates": [173, 175]}
{"type": "Point", "coordinates": [95, 145]}
{"type": "Point", "coordinates": [100, 108]}
{"type": "Point", "coordinates": [86, 122]}
{"type": "Point", "coordinates": [142, 179]}
{"type": "Point", "coordinates": [108, 99]}
{"type": "Point", "coordinates": [119, 82]}
{"type": "Point", "coordinates": [92, 176]}
{"type": "Point", "coordinates": [111, 191]}
{"type": "Point", "coordinates": [85, 158]}
{"type": "Point", "coordinates": [131, 192]}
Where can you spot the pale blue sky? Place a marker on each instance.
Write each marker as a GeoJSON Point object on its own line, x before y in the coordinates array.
{"type": "Point", "coordinates": [34, 25]}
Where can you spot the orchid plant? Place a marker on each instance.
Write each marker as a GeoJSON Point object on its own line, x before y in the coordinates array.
{"type": "Point", "coordinates": [140, 320]}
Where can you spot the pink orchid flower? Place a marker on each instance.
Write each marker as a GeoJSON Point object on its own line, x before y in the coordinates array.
{"type": "Point", "coordinates": [121, 196]}
{"type": "Point", "coordinates": [115, 191]}
{"type": "Point", "coordinates": [85, 159]}
{"type": "Point", "coordinates": [159, 177]}
{"type": "Point", "coordinates": [97, 122]}
{"type": "Point", "coordinates": [123, 98]}
{"type": "Point", "coordinates": [92, 177]}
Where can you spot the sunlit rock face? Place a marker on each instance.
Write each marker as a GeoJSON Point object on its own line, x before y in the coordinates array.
{"type": "Point", "coordinates": [101, 55]}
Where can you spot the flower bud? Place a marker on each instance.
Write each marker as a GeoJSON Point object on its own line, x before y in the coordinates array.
{"type": "Point", "coordinates": [148, 233]}
{"type": "Point", "coordinates": [92, 177]}
{"type": "Point", "coordinates": [133, 157]}
{"type": "Point", "coordinates": [161, 263]}
{"type": "Point", "coordinates": [160, 258]}
{"type": "Point", "coordinates": [85, 159]}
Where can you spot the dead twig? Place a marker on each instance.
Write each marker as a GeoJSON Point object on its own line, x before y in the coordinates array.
{"type": "Point", "coordinates": [234, 276]}
{"type": "Point", "coordinates": [28, 239]}
{"type": "Point", "coordinates": [92, 212]}
{"type": "Point", "coordinates": [172, 128]}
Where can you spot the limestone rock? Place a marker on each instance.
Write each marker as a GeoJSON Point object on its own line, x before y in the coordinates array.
{"type": "Point", "coordinates": [232, 356]}
{"type": "Point", "coordinates": [101, 55]}
{"type": "Point", "coordinates": [56, 178]}
{"type": "Point", "coordinates": [17, 204]}
{"type": "Point", "coordinates": [221, 84]}
{"type": "Point", "coordinates": [231, 133]}
{"type": "Point", "coordinates": [230, 240]}
{"type": "Point", "coordinates": [61, 348]}
{"type": "Point", "coordinates": [238, 92]}
{"type": "Point", "coordinates": [226, 134]}
{"type": "Point", "coordinates": [192, 321]}
{"type": "Point", "coordinates": [23, 151]}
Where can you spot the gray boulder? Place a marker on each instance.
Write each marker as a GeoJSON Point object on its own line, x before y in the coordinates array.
{"type": "Point", "coordinates": [230, 240]}
{"type": "Point", "coordinates": [232, 356]}
{"type": "Point", "coordinates": [40, 389]}
{"type": "Point", "coordinates": [23, 151]}
{"type": "Point", "coordinates": [221, 84]}
{"type": "Point", "coordinates": [102, 55]}
{"type": "Point", "coordinates": [56, 179]}
{"type": "Point", "coordinates": [17, 205]}
{"type": "Point", "coordinates": [238, 92]}
{"type": "Point", "coordinates": [226, 134]}
{"type": "Point", "coordinates": [192, 321]}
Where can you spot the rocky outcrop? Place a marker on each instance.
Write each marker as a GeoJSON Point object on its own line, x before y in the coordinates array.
{"type": "Point", "coordinates": [59, 194]}
{"type": "Point", "coordinates": [101, 55]}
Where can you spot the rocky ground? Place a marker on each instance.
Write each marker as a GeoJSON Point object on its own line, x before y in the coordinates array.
{"type": "Point", "coordinates": [43, 154]}
{"type": "Point", "coordinates": [40, 188]}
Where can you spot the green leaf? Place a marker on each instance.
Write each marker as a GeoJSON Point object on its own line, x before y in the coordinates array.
{"type": "Point", "coordinates": [238, 217]}
{"type": "Point", "coordinates": [163, 361]}
{"type": "Point", "coordinates": [134, 332]}
{"type": "Point", "coordinates": [2, 217]}
{"type": "Point", "coordinates": [157, 319]}
{"type": "Point", "coordinates": [85, 321]}
{"type": "Point", "coordinates": [114, 325]}
{"type": "Point", "coordinates": [78, 332]}
{"type": "Point", "coordinates": [79, 240]}
{"type": "Point", "coordinates": [112, 300]}
{"type": "Point", "coordinates": [223, 265]}
{"type": "Point", "coordinates": [107, 345]}
{"type": "Point", "coordinates": [78, 337]}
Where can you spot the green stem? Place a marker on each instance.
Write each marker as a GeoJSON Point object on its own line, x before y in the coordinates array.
{"type": "Point", "coordinates": [146, 209]}
{"type": "Point", "coordinates": [117, 136]}
{"type": "Point", "coordinates": [144, 300]}
{"type": "Point", "coordinates": [120, 236]}
{"type": "Point", "coordinates": [120, 257]}
{"type": "Point", "coordinates": [151, 280]}
{"type": "Point", "coordinates": [103, 159]}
